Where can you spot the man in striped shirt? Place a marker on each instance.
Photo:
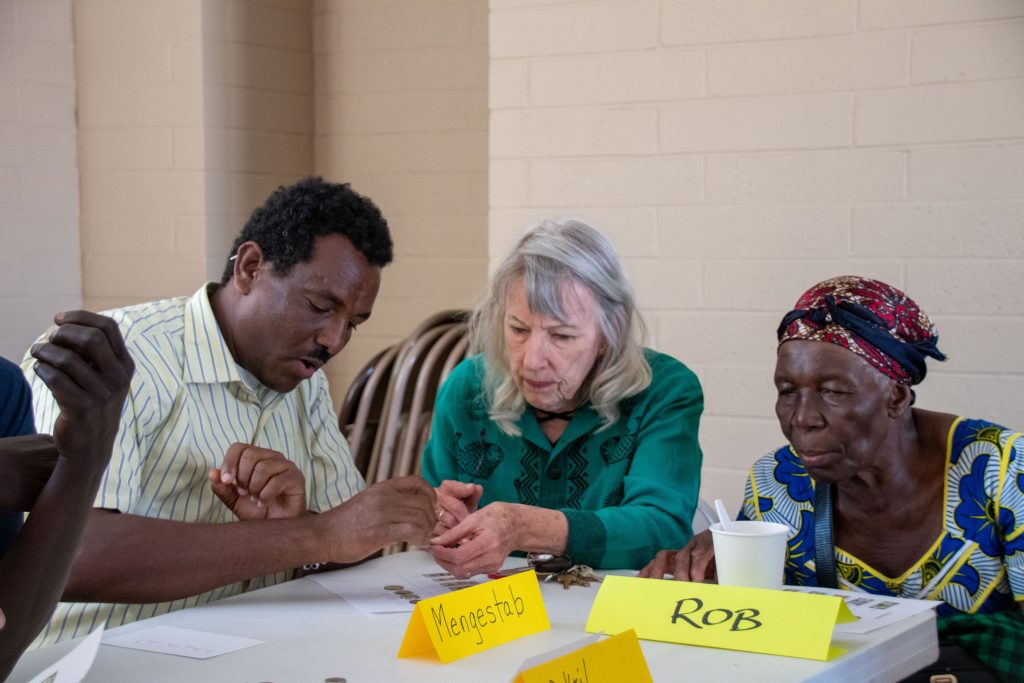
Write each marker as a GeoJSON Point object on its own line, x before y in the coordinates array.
{"type": "Point", "coordinates": [229, 470]}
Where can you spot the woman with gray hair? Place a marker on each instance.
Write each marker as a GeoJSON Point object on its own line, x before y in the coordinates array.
{"type": "Point", "coordinates": [563, 435]}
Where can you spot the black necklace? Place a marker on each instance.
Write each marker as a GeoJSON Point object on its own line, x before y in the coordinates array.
{"type": "Point", "coordinates": [545, 416]}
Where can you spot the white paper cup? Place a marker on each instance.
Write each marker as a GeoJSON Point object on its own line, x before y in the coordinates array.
{"type": "Point", "coordinates": [751, 554]}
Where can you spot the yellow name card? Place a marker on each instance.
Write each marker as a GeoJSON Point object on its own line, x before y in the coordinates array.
{"type": "Point", "coordinates": [611, 660]}
{"type": "Point", "coordinates": [475, 619]}
{"type": "Point", "coordinates": [730, 617]}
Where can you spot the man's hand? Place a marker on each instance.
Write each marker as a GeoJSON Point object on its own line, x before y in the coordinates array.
{"type": "Point", "coordinates": [479, 543]}
{"type": "Point", "coordinates": [456, 500]}
{"type": "Point", "coordinates": [258, 483]}
{"type": "Point", "coordinates": [390, 511]}
{"type": "Point", "coordinates": [695, 562]}
{"type": "Point", "coordinates": [87, 367]}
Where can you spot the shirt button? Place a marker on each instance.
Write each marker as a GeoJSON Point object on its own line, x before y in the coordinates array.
{"type": "Point", "coordinates": [554, 473]}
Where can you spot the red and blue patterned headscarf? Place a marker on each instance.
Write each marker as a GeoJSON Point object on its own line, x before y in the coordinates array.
{"type": "Point", "coordinates": [876, 321]}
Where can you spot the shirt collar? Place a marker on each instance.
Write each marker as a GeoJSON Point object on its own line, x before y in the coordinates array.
{"type": "Point", "coordinates": [207, 357]}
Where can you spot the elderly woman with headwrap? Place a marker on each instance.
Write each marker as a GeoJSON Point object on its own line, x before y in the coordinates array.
{"type": "Point", "coordinates": [564, 435]}
{"type": "Point", "coordinates": [923, 504]}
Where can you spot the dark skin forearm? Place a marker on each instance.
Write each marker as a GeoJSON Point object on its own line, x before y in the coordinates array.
{"type": "Point", "coordinates": [26, 463]}
{"type": "Point", "coordinates": [132, 559]}
{"type": "Point", "coordinates": [46, 546]}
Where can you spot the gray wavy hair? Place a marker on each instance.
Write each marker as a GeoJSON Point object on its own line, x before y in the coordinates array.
{"type": "Point", "coordinates": [550, 257]}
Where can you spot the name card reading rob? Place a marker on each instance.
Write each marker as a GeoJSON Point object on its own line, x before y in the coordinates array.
{"type": "Point", "coordinates": [749, 619]}
{"type": "Point", "coordinates": [475, 619]}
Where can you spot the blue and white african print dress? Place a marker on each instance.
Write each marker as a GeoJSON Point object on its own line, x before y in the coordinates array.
{"type": "Point", "coordinates": [977, 563]}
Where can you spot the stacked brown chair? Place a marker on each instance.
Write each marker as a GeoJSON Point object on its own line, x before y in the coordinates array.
{"type": "Point", "coordinates": [415, 375]}
{"type": "Point", "coordinates": [363, 406]}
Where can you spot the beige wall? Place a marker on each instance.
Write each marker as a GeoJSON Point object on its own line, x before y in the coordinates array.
{"type": "Point", "coordinates": [190, 114]}
{"type": "Point", "coordinates": [401, 113]}
{"type": "Point", "coordinates": [740, 152]}
{"type": "Point", "coordinates": [258, 110]}
{"type": "Point", "coordinates": [140, 145]}
{"type": "Point", "coordinates": [39, 246]}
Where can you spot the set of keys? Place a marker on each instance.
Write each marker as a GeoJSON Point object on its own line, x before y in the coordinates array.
{"type": "Point", "coordinates": [553, 568]}
{"type": "Point", "coordinates": [576, 575]}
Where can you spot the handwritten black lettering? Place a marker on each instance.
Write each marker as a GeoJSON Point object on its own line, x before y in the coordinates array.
{"type": "Point", "coordinates": [746, 614]}
{"type": "Point", "coordinates": [520, 606]}
{"type": "Point", "coordinates": [439, 621]}
{"type": "Point", "coordinates": [477, 619]}
{"type": "Point", "coordinates": [739, 620]}
{"type": "Point", "coordinates": [698, 603]}
{"type": "Point", "coordinates": [707, 621]}
{"type": "Point", "coordinates": [576, 676]}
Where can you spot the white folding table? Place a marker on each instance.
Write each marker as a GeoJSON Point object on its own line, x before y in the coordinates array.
{"type": "Point", "coordinates": [311, 634]}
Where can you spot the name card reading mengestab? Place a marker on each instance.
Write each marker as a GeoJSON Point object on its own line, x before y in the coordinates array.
{"type": "Point", "coordinates": [475, 619]}
{"type": "Point", "coordinates": [749, 619]}
{"type": "Point", "coordinates": [612, 660]}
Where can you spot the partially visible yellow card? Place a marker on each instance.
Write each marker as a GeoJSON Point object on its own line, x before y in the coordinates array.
{"type": "Point", "coordinates": [749, 619]}
{"type": "Point", "coordinates": [475, 619]}
{"type": "Point", "coordinates": [611, 660]}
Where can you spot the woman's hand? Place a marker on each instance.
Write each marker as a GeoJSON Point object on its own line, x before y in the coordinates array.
{"type": "Point", "coordinates": [479, 543]}
{"type": "Point", "coordinates": [456, 500]}
{"type": "Point", "coordinates": [695, 562]}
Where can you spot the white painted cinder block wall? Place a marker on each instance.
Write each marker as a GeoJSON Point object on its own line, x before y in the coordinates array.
{"type": "Point", "coordinates": [38, 170]}
{"type": "Point", "coordinates": [401, 113]}
{"type": "Point", "coordinates": [738, 152]}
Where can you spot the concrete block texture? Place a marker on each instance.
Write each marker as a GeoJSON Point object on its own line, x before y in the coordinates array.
{"type": "Point", "coordinates": [573, 132]}
{"type": "Point", "coordinates": [39, 199]}
{"type": "Point", "coordinates": [848, 62]}
{"type": "Point", "coordinates": [885, 13]}
{"type": "Point", "coordinates": [947, 230]}
{"type": "Point", "coordinates": [950, 172]}
{"type": "Point", "coordinates": [509, 84]}
{"type": "Point", "coordinates": [614, 78]}
{"type": "Point", "coordinates": [988, 110]}
{"type": "Point", "coordinates": [693, 22]}
{"type": "Point", "coordinates": [968, 52]}
{"type": "Point", "coordinates": [844, 175]}
{"type": "Point", "coordinates": [602, 181]}
{"type": "Point", "coordinates": [977, 342]}
{"type": "Point", "coordinates": [744, 124]}
{"type": "Point", "coordinates": [401, 111]}
{"type": "Point", "coordinates": [597, 26]}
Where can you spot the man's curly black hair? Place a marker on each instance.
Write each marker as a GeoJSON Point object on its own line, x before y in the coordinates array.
{"type": "Point", "coordinates": [291, 219]}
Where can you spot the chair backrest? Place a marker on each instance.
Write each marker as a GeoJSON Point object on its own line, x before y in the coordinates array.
{"type": "Point", "coordinates": [411, 354]}
{"type": "Point", "coordinates": [457, 354]}
{"type": "Point", "coordinates": [362, 419]}
{"type": "Point", "coordinates": [354, 394]}
{"type": "Point", "coordinates": [403, 378]}
{"type": "Point", "coordinates": [421, 407]}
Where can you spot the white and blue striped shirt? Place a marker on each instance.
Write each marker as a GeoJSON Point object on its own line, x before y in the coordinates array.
{"type": "Point", "coordinates": [188, 403]}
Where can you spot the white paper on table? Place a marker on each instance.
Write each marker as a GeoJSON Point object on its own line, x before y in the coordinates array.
{"type": "Point", "coordinates": [372, 596]}
{"type": "Point", "coordinates": [72, 667]}
{"type": "Point", "coordinates": [183, 642]}
{"type": "Point", "coordinates": [872, 611]}
{"type": "Point", "coordinates": [553, 653]}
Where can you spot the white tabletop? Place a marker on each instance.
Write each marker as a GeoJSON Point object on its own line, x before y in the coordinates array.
{"type": "Point", "coordinates": [312, 634]}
